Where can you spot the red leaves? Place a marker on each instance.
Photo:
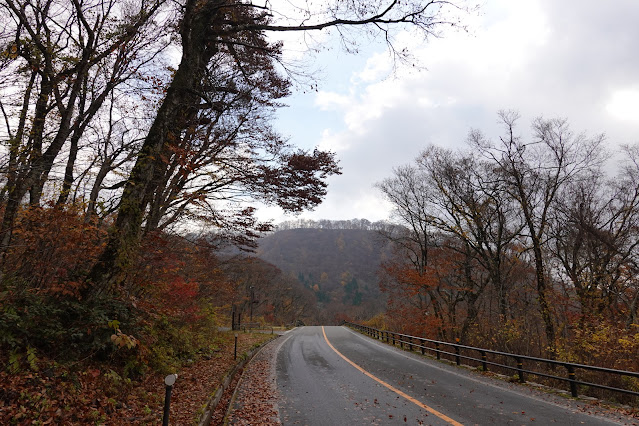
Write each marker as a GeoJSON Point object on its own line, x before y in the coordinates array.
{"type": "Point", "coordinates": [297, 180]}
{"type": "Point", "coordinates": [97, 394]}
{"type": "Point", "coordinates": [170, 270]}
{"type": "Point", "coordinates": [49, 243]}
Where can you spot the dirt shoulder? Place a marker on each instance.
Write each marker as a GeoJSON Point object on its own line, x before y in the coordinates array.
{"type": "Point", "coordinates": [95, 393]}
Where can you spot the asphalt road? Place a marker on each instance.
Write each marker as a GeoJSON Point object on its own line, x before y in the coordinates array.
{"type": "Point", "coordinates": [334, 376]}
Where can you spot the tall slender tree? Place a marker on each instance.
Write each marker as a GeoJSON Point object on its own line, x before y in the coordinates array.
{"type": "Point", "coordinates": [535, 173]}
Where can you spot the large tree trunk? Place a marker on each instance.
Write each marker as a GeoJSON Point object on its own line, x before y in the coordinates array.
{"type": "Point", "coordinates": [175, 114]}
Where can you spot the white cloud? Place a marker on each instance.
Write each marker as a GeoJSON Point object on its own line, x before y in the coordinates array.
{"type": "Point", "coordinates": [624, 105]}
{"type": "Point", "coordinates": [378, 66]}
{"type": "Point", "coordinates": [330, 100]}
{"type": "Point", "coordinates": [570, 59]}
{"type": "Point", "coordinates": [334, 142]}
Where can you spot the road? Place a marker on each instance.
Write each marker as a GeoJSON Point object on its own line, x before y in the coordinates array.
{"type": "Point", "coordinates": [335, 376]}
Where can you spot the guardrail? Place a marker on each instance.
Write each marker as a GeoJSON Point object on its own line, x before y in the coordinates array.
{"type": "Point", "coordinates": [421, 344]}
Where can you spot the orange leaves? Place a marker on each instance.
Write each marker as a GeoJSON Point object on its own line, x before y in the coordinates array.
{"type": "Point", "coordinates": [50, 244]}
{"type": "Point", "coordinates": [414, 280]}
{"type": "Point", "coordinates": [430, 299]}
{"type": "Point", "coordinates": [122, 340]}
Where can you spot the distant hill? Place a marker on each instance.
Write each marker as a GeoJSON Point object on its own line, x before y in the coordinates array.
{"type": "Point", "coordinates": [339, 265]}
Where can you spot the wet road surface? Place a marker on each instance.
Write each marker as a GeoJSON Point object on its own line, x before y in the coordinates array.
{"type": "Point", "coordinates": [335, 376]}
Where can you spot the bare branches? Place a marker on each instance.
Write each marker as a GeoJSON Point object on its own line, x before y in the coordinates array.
{"type": "Point", "coordinates": [538, 206]}
{"type": "Point", "coordinates": [380, 19]}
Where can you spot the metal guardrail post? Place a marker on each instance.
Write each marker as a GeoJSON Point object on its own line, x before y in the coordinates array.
{"type": "Point", "coordinates": [457, 358]}
{"type": "Point", "coordinates": [439, 355]}
{"type": "Point", "coordinates": [410, 344]}
{"type": "Point", "coordinates": [571, 380]}
{"type": "Point", "coordinates": [393, 339]}
{"type": "Point", "coordinates": [520, 370]}
{"type": "Point", "coordinates": [484, 366]}
{"type": "Point", "coordinates": [423, 344]}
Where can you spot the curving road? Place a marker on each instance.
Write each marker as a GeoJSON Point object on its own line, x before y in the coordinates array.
{"type": "Point", "coordinates": [334, 376]}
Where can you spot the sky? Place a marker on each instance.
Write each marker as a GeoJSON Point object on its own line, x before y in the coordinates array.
{"type": "Point", "coordinates": [572, 59]}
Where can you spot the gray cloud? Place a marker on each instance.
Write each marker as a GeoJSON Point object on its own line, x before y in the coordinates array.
{"type": "Point", "coordinates": [564, 58]}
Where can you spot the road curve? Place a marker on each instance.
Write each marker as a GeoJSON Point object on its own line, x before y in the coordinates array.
{"type": "Point", "coordinates": [334, 376]}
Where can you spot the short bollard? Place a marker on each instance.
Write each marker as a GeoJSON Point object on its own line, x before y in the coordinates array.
{"type": "Point", "coordinates": [235, 348]}
{"type": "Point", "coordinates": [169, 381]}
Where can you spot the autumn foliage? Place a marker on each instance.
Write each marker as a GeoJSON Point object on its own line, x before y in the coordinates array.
{"type": "Point", "coordinates": [519, 244]}
{"type": "Point", "coordinates": [52, 248]}
{"type": "Point", "coordinates": [166, 314]}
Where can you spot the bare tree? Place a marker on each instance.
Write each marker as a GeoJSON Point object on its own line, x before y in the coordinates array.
{"type": "Point", "coordinates": [535, 173]}
{"type": "Point", "coordinates": [67, 58]}
{"type": "Point", "coordinates": [410, 195]}
{"type": "Point", "coordinates": [470, 203]}
{"type": "Point", "coordinates": [595, 240]}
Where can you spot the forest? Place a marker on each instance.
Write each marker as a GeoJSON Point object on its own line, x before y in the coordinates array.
{"type": "Point", "coordinates": [338, 263]}
{"type": "Point", "coordinates": [526, 243]}
{"type": "Point", "coordinates": [136, 140]}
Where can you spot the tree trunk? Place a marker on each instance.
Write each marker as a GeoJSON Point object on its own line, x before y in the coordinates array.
{"type": "Point", "coordinates": [542, 288]}
{"type": "Point", "coordinates": [75, 140]}
{"type": "Point", "coordinates": [17, 185]}
{"type": "Point", "coordinates": [471, 295]}
{"type": "Point", "coordinates": [179, 107]}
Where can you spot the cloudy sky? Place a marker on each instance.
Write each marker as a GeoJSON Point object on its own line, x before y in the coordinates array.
{"type": "Point", "coordinates": [575, 59]}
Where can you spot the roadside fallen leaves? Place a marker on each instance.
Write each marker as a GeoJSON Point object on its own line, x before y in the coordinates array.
{"type": "Point", "coordinates": [96, 394]}
{"type": "Point", "coordinates": [256, 400]}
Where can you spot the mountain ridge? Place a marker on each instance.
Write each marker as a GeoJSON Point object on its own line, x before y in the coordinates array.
{"type": "Point", "coordinates": [339, 265]}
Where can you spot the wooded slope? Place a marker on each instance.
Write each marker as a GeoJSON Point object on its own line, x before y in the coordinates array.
{"type": "Point", "coordinates": [340, 265]}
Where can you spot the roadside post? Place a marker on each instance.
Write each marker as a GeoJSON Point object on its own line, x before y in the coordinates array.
{"type": "Point", "coordinates": [169, 381]}
{"type": "Point", "coordinates": [235, 348]}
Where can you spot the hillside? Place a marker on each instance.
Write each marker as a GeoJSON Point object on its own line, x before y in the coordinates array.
{"type": "Point", "coordinates": [339, 265]}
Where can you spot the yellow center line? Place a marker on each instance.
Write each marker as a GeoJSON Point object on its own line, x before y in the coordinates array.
{"type": "Point", "coordinates": [397, 391]}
